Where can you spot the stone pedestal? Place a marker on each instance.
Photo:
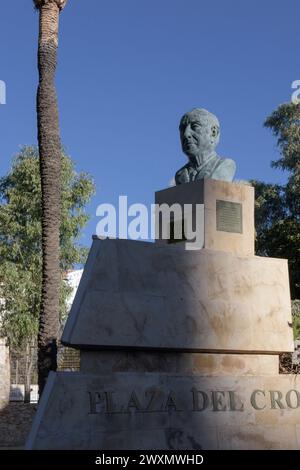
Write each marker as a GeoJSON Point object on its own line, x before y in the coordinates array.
{"type": "Point", "coordinates": [179, 349]}
{"type": "Point", "coordinates": [137, 295]}
{"type": "Point", "coordinates": [228, 212]}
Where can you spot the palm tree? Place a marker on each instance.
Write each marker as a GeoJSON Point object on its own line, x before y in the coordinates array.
{"type": "Point", "coordinates": [50, 154]}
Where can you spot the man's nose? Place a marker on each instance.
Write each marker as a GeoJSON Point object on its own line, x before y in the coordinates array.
{"type": "Point", "coordinates": [187, 132]}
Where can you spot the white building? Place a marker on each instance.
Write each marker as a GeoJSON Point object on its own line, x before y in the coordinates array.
{"type": "Point", "coordinates": [73, 279]}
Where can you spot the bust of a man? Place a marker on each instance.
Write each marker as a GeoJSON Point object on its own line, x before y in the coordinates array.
{"type": "Point", "coordinates": [200, 135]}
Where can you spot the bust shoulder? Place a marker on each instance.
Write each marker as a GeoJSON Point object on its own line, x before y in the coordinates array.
{"type": "Point", "coordinates": [225, 169]}
{"type": "Point", "coordinates": [182, 175]}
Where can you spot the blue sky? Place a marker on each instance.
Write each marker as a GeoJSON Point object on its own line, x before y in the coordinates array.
{"type": "Point", "coordinates": [129, 69]}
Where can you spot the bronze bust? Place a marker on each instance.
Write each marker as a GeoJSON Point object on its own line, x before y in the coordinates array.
{"type": "Point", "coordinates": [200, 135]}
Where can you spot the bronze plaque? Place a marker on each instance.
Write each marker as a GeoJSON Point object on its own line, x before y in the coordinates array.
{"type": "Point", "coordinates": [229, 217]}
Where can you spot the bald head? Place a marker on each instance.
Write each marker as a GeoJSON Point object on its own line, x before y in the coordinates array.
{"type": "Point", "coordinates": [199, 132]}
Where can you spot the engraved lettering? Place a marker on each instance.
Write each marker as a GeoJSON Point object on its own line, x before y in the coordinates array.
{"type": "Point", "coordinates": [153, 395]}
{"type": "Point", "coordinates": [253, 399]}
{"type": "Point", "coordinates": [101, 402]}
{"type": "Point", "coordinates": [110, 407]}
{"type": "Point", "coordinates": [158, 401]}
{"type": "Point", "coordinates": [233, 402]}
{"type": "Point", "coordinates": [276, 400]}
{"type": "Point", "coordinates": [171, 402]}
{"type": "Point", "coordinates": [217, 401]}
{"type": "Point", "coordinates": [134, 402]}
{"type": "Point", "coordinates": [204, 400]}
{"type": "Point", "coordinates": [96, 402]}
{"type": "Point", "coordinates": [289, 401]}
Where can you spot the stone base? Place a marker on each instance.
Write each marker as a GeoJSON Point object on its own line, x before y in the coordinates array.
{"type": "Point", "coordinates": [179, 349]}
{"type": "Point", "coordinates": [167, 412]}
{"type": "Point", "coordinates": [137, 295]}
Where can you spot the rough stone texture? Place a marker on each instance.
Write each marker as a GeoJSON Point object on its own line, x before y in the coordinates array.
{"type": "Point", "coordinates": [166, 411]}
{"type": "Point", "coordinates": [4, 374]}
{"type": "Point", "coordinates": [15, 423]}
{"type": "Point", "coordinates": [140, 295]}
{"type": "Point", "coordinates": [207, 192]}
{"type": "Point", "coordinates": [106, 362]}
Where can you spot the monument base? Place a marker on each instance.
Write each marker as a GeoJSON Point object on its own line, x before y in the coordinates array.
{"type": "Point", "coordinates": [179, 348]}
{"type": "Point", "coordinates": [167, 411]}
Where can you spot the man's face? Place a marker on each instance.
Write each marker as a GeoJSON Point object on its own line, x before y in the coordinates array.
{"type": "Point", "coordinates": [196, 135]}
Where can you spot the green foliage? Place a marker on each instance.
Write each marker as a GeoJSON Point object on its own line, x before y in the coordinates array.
{"type": "Point", "coordinates": [284, 122]}
{"type": "Point", "coordinates": [296, 318]}
{"type": "Point", "coordinates": [20, 240]}
{"type": "Point", "coordinates": [277, 207]}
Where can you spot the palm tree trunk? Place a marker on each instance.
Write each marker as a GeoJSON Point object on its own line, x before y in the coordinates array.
{"type": "Point", "coordinates": [50, 168]}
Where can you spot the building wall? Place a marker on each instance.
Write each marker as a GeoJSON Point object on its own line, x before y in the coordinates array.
{"type": "Point", "coordinates": [4, 374]}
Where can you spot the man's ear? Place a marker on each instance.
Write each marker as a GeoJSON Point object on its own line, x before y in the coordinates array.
{"type": "Point", "coordinates": [215, 135]}
{"type": "Point", "coordinates": [215, 131]}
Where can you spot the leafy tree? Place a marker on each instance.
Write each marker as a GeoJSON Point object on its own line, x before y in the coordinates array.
{"type": "Point", "coordinates": [50, 168]}
{"type": "Point", "coordinates": [277, 210]}
{"type": "Point", "coordinates": [296, 318]}
{"type": "Point", "coordinates": [21, 241]}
